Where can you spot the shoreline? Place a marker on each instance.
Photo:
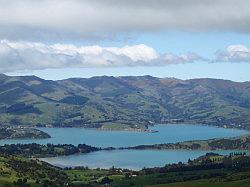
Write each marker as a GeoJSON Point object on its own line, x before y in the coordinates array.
{"type": "Point", "coordinates": [216, 144]}
{"type": "Point", "coordinates": [147, 129]}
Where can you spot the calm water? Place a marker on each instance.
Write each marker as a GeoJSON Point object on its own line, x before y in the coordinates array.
{"type": "Point", "coordinates": [166, 134]}
{"type": "Point", "coordinates": [133, 159]}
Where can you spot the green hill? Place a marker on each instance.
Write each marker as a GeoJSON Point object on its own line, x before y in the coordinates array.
{"type": "Point", "coordinates": [123, 102]}
{"type": "Point", "coordinates": [20, 171]}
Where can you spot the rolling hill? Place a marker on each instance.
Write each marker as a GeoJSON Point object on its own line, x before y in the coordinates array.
{"type": "Point", "coordinates": [132, 102]}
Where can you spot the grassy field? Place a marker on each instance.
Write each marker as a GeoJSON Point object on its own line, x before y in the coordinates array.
{"type": "Point", "coordinates": [208, 170]}
{"type": "Point", "coordinates": [206, 183]}
{"type": "Point", "coordinates": [203, 178]}
{"type": "Point", "coordinates": [85, 176]}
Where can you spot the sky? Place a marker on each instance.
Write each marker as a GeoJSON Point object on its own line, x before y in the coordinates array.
{"type": "Point", "coordinates": [58, 39]}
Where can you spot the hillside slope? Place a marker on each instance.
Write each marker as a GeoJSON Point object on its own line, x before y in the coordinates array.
{"type": "Point", "coordinates": [123, 102]}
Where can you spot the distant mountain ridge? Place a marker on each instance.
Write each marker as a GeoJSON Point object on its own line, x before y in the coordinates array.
{"type": "Point", "coordinates": [132, 102]}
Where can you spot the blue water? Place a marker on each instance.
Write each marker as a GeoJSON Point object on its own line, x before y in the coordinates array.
{"type": "Point", "coordinates": [167, 134]}
{"type": "Point", "coordinates": [132, 159]}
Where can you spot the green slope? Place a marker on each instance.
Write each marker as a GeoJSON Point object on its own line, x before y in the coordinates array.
{"type": "Point", "coordinates": [129, 102]}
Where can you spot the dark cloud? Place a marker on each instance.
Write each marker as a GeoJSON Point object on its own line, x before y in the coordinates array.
{"type": "Point", "coordinates": [95, 19]}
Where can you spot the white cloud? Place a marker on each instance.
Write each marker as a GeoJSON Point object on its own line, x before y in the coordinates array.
{"type": "Point", "coordinates": [233, 53]}
{"type": "Point", "coordinates": [16, 56]}
{"type": "Point", "coordinates": [136, 53]}
{"type": "Point", "coordinates": [46, 19]}
{"type": "Point", "coordinates": [25, 56]}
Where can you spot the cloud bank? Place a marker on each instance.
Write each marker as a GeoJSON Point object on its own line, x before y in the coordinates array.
{"type": "Point", "coordinates": [21, 56]}
{"type": "Point", "coordinates": [233, 53]}
{"type": "Point", "coordinates": [47, 19]}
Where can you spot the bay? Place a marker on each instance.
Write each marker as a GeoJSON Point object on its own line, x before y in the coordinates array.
{"type": "Point", "coordinates": [131, 159]}
{"type": "Point", "coordinates": [169, 133]}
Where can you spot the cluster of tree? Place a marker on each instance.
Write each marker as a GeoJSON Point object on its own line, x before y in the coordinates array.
{"type": "Point", "coordinates": [236, 161]}
{"type": "Point", "coordinates": [22, 108]}
{"type": "Point", "coordinates": [38, 150]}
{"type": "Point", "coordinates": [234, 143]}
{"type": "Point", "coordinates": [8, 132]}
{"type": "Point", "coordinates": [75, 100]}
{"type": "Point", "coordinates": [237, 154]}
{"type": "Point", "coordinates": [193, 146]}
{"type": "Point", "coordinates": [242, 143]}
{"type": "Point", "coordinates": [42, 173]}
{"type": "Point", "coordinates": [4, 132]}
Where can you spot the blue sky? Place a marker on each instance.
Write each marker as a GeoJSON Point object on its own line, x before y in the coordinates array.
{"type": "Point", "coordinates": [202, 43]}
{"type": "Point", "coordinates": [205, 44]}
{"type": "Point", "coordinates": [235, 72]}
{"type": "Point", "coordinates": [182, 39]}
